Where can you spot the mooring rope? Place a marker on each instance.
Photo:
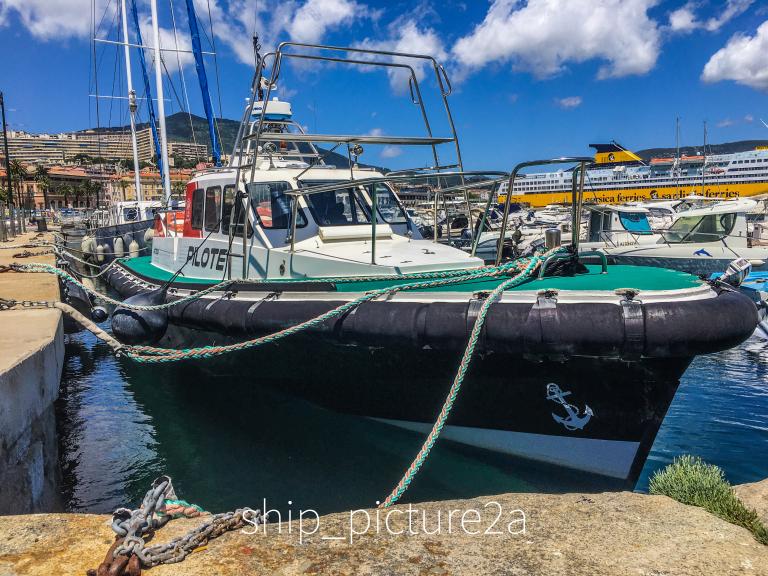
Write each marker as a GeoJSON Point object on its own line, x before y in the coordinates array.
{"type": "Point", "coordinates": [463, 274]}
{"type": "Point", "coordinates": [522, 269]}
{"type": "Point", "coordinates": [453, 393]}
{"type": "Point", "coordinates": [151, 354]}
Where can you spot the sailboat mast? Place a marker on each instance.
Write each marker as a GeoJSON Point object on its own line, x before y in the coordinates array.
{"type": "Point", "coordinates": [676, 164]}
{"type": "Point", "coordinates": [203, 80]}
{"type": "Point", "coordinates": [161, 106]}
{"type": "Point", "coordinates": [704, 162]}
{"type": "Point", "coordinates": [131, 103]}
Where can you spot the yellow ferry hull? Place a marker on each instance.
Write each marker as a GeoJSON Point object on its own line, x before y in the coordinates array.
{"type": "Point", "coordinates": [622, 195]}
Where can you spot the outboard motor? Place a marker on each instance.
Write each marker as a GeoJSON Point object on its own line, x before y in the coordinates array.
{"type": "Point", "coordinates": [736, 272]}
{"type": "Point", "coordinates": [141, 326]}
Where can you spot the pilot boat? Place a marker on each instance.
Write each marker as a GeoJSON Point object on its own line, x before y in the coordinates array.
{"type": "Point", "coordinates": [577, 362]}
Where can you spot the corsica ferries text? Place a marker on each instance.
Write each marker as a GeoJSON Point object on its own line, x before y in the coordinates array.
{"type": "Point", "coordinates": [212, 258]}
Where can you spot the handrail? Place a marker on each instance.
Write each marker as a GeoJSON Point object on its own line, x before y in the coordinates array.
{"type": "Point", "coordinates": [332, 186]}
{"type": "Point", "coordinates": [336, 185]}
{"type": "Point", "coordinates": [510, 187]}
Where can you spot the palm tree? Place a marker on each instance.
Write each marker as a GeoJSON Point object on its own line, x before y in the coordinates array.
{"type": "Point", "coordinates": [18, 174]}
{"type": "Point", "coordinates": [43, 179]}
{"type": "Point", "coordinates": [66, 190]}
{"type": "Point", "coordinates": [77, 192]}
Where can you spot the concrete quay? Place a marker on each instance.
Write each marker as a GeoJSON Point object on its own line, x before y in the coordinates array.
{"type": "Point", "coordinates": [620, 533]}
{"type": "Point", "coordinates": [31, 360]}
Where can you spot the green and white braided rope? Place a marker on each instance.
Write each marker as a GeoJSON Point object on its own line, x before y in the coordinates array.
{"type": "Point", "coordinates": [151, 354]}
{"type": "Point", "coordinates": [453, 393]}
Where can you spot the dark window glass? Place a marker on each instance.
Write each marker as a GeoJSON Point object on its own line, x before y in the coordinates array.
{"type": "Point", "coordinates": [197, 208]}
{"type": "Point", "coordinates": [342, 207]}
{"type": "Point", "coordinates": [272, 206]}
{"type": "Point", "coordinates": [230, 201]}
{"type": "Point", "coordinates": [390, 210]}
{"type": "Point", "coordinates": [212, 208]}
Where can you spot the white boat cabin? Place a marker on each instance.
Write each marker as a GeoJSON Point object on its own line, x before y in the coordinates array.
{"type": "Point", "coordinates": [334, 234]}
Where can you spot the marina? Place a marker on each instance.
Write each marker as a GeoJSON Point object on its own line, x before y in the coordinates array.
{"type": "Point", "coordinates": [351, 332]}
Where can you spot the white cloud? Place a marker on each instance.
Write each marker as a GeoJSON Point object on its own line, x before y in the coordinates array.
{"type": "Point", "coordinates": [407, 36]}
{"type": "Point", "coordinates": [749, 118]}
{"type": "Point", "coordinates": [684, 19]}
{"type": "Point", "coordinates": [391, 152]}
{"type": "Point", "coordinates": [725, 123]}
{"type": "Point", "coordinates": [168, 42]}
{"type": "Point", "coordinates": [53, 19]}
{"type": "Point", "coordinates": [276, 20]}
{"type": "Point", "coordinates": [314, 18]}
{"type": "Point", "coordinates": [542, 36]}
{"type": "Point", "coordinates": [744, 59]}
{"type": "Point", "coordinates": [376, 132]}
{"type": "Point", "coordinates": [568, 102]}
{"type": "Point", "coordinates": [732, 9]}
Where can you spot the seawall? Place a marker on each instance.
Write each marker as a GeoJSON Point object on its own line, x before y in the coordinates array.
{"type": "Point", "coordinates": [31, 360]}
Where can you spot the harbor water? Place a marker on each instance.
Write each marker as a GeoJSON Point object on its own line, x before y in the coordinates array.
{"type": "Point", "coordinates": [229, 441]}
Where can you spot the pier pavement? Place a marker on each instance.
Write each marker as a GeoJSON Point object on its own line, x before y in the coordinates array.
{"type": "Point", "coordinates": [31, 360]}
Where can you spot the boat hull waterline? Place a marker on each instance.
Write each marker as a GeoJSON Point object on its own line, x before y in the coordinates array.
{"type": "Point", "coordinates": [570, 379]}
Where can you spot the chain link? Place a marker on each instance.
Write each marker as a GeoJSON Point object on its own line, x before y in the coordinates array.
{"type": "Point", "coordinates": [132, 526]}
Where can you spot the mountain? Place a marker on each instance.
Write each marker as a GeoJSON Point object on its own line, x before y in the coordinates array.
{"type": "Point", "coordinates": [725, 148]}
{"type": "Point", "coordinates": [178, 129]}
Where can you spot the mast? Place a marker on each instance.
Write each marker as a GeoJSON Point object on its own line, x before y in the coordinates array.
{"type": "Point", "coordinates": [676, 165]}
{"type": "Point", "coordinates": [704, 162]}
{"type": "Point", "coordinates": [8, 168]}
{"type": "Point", "coordinates": [131, 103]}
{"type": "Point", "coordinates": [203, 79]}
{"type": "Point", "coordinates": [147, 89]}
{"type": "Point", "coordinates": [165, 174]}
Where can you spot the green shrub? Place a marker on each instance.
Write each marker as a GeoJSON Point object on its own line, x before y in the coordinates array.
{"type": "Point", "coordinates": [691, 481]}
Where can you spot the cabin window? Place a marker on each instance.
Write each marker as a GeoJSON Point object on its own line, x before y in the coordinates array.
{"type": "Point", "coordinates": [198, 196]}
{"type": "Point", "coordinates": [635, 222]}
{"type": "Point", "coordinates": [342, 207]}
{"type": "Point", "coordinates": [390, 210]}
{"type": "Point", "coordinates": [708, 228]}
{"type": "Point", "coordinates": [212, 208]}
{"type": "Point", "coordinates": [229, 202]}
{"type": "Point", "coordinates": [273, 206]}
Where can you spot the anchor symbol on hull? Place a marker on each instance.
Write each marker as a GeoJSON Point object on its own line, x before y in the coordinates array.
{"type": "Point", "coordinates": [573, 421]}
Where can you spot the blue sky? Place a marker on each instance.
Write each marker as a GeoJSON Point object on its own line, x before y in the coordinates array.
{"type": "Point", "coordinates": [531, 79]}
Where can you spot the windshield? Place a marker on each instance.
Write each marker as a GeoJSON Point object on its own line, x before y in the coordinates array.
{"type": "Point", "coordinates": [342, 207]}
{"type": "Point", "coordinates": [635, 222]}
{"type": "Point", "coordinates": [273, 206]}
{"type": "Point", "coordinates": [390, 210]}
{"type": "Point", "coordinates": [708, 228]}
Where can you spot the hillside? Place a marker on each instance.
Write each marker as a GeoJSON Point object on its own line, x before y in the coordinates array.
{"type": "Point", "coordinates": [178, 128]}
{"type": "Point", "coordinates": [725, 148]}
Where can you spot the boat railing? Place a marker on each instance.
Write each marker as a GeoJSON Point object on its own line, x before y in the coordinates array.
{"type": "Point", "coordinates": [496, 177]}
{"type": "Point", "coordinates": [356, 56]}
{"type": "Point", "coordinates": [463, 186]}
{"type": "Point", "coordinates": [577, 197]}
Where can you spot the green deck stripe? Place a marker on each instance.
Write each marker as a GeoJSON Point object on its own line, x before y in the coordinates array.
{"type": "Point", "coordinates": [618, 276]}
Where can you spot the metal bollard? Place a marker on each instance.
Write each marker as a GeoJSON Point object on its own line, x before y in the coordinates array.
{"type": "Point", "coordinates": [3, 230]}
{"type": "Point", "coordinates": [552, 238]}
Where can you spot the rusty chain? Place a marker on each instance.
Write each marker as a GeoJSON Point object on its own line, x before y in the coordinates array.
{"type": "Point", "coordinates": [129, 553]}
